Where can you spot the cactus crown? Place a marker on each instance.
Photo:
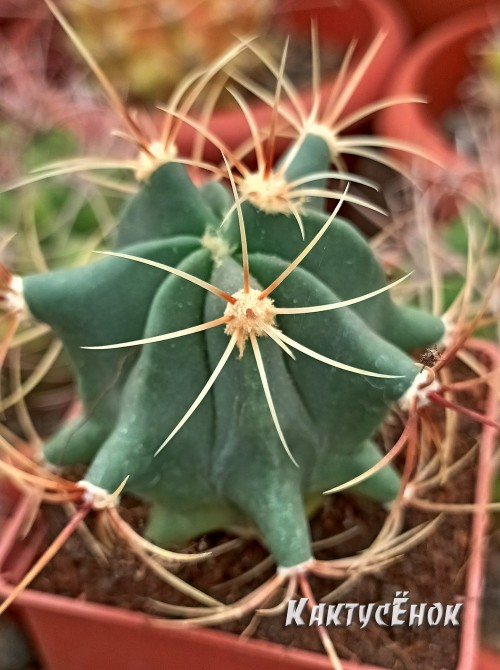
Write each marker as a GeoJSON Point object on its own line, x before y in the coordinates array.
{"type": "Point", "coordinates": [239, 348]}
{"type": "Point", "coordinates": [214, 366]}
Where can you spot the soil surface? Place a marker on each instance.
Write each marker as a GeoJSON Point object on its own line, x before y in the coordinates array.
{"type": "Point", "coordinates": [434, 571]}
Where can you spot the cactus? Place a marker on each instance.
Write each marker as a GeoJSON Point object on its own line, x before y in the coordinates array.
{"type": "Point", "coordinates": [238, 349]}
{"type": "Point", "coordinates": [184, 300]}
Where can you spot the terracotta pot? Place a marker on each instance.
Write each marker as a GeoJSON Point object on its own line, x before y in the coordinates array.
{"type": "Point", "coordinates": [424, 14]}
{"type": "Point", "coordinates": [338, 22]}
{"type": "Point", "coordinates": [434, 67]}
{"type": "Point", "coordinates": [488, 660]}
{"type": "Point", "coordinates": [72, 634]}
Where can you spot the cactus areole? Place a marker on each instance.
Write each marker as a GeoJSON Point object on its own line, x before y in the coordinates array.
{"type": "Point", "coordinates": [255, 408]}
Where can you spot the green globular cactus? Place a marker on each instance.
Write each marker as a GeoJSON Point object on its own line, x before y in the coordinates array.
{"type": "Point", "coordinates": [176, 268]}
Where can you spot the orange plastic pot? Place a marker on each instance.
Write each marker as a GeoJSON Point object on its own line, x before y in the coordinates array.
{"type": "Point", "coordinates": [424, 14]}
{"type": "Point", "coordinates": [75, 635]}
{"type": "Point", "coordinates": [434, 67]}
{"type": "Point", "coordinates": [488, 660]}
{"type": "Point", "coordinates": [338, 24]}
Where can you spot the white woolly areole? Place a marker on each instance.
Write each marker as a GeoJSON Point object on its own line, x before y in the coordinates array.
{"type": "Point", "coordinates": [418, 390]}
{"type": "Point", "coordinates": [449, 331]}
{"type": "Point", "coordinates": [217, 247]}
{"type": "Point", "coordinates": [299, 569]}
{"type": "Point", "coordinates": [13, 296]}
{"type": "Point", "coordinates": [271, 194]}
{"type": "Point", "coordinates": [248, 314]}
{"type": "Point", "coordinates": [156, 155]}
{"type": "Point", "coordinates": [408, 492]}
{"type": "Point", "coordinates": [97, 496]}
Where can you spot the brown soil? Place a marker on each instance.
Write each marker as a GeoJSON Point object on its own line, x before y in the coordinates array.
{"type": "Point", "coordinates": [432, 572]}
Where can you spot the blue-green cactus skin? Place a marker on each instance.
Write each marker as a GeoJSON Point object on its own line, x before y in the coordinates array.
{"type": "Point", "coordinates": [227, 465]}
